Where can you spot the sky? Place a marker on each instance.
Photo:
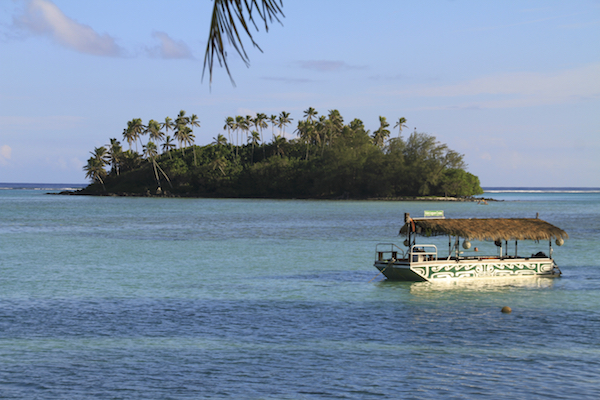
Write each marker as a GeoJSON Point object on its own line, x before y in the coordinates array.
{"type": "Point", "coordinates": [512, 85]}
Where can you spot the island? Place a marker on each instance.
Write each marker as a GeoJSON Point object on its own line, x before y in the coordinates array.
{"type": "Point", "coordinates": [327, 159]}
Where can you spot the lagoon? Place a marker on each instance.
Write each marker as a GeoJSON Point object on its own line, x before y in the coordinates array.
{"type": "Point", "coordinates": [152, 298]}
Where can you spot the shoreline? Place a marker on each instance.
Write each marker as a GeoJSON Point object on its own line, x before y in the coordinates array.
{"type": "Point", "coordinates": [481, 200]}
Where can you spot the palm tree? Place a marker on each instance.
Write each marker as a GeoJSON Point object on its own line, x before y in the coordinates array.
{"type": "Point", "coordinates": [94, 170]}
{"type": "Point", "coordinates": [273, 119]}
{"type": "Point", "coordinates": [219, 163]}
{"type": "Point", "coordinates": [188, 139]}
{"type": "Point", "coordinates": [168, 124]}
{"type": "Point", "coordinates": [381, 134]}
{"type": "Point", "coordinates": [220, 140]}
{"type": "Point", "coordinates": [181, 118]}
{"type": "Point", "coordinates": [229, 123]}
{"type": "Point", "coordinates": [153, 131]}
{"type": "Point", "coordinates": [128, 135]}
{"type": "Point", "coordinates": [400, 124]}
{"type": "Point", "coordinates": [239, 125]}
{"type": "Point", "coordinates": [321, 132]}
{"type": "Point", "coordinates": [283, 121]}
{"type": "Point", "coordinates": [137, 129]}
{"type": "Point", "coordinates": [305, 131]}
{"type": "Point", "coordinates": [194, 122]}
{"type": "Point", "coordinates": [261, 122]}
{"type": "Point", "coordinates": [150, 151]}
{"type": "Point", "coordinates": [335, 124]}
{"type": "Point", "coordinates": [115, 153]}
{"type": "Point", "coordinates": [279, 142]}
{"type": "Point", "coordinates": [168, 145]}
{"type": "Point", "coordinates": [100, 154]}
{"type": "Point", "coordinates": [181, 131]}
{"type": "Point", "coordinates": [248, 122]}
{"type": "Point", "coordinates": [310, 113]}
{"type": "Point", "coordinates": [254, 139]}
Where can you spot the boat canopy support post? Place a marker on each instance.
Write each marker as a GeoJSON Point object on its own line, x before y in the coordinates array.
{"type": "Point", "coordinates": [456, 247]}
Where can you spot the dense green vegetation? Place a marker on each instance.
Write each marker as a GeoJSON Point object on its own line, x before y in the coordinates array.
{"type": "Point", "coordinates": [328, 159]}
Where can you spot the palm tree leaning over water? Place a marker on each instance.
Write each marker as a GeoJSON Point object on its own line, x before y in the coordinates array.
{"type": "Point", "coordinates": [150, 151]}
{"type": "Point", "coordinates": [94, 170]}
{"type": "Point", "coordinates": [100, 154]}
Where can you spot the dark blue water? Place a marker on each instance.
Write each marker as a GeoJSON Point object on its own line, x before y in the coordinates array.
{"type": "Point", "coordinates": [135, 298]}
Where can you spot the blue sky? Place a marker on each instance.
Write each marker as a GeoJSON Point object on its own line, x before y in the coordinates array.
{"type": "Point", "coordinates": [512, 85]}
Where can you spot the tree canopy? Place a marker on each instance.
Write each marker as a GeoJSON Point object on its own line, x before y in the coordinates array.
{"type": "Point", "coordinates": [327, 159]}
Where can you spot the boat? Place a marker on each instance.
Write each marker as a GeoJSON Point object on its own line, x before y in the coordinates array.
{"type": "Point", "coordinates": [423, 262]}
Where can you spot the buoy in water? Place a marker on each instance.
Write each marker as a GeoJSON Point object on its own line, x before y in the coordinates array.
{"type": "Point", "coordinates": [506, 310]}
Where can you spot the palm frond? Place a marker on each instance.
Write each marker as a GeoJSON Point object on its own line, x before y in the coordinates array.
{"type": "Point", "coordinates": [226, 16]}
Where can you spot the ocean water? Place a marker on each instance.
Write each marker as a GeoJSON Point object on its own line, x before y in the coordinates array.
{"type": "Point", "coordinates": [149, 298]}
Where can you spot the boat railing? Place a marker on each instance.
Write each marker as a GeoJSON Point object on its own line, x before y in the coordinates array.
{"type": "Point", "coordinates": [423, 252]}
{"type": "Point", "coordinates": [388, 252]}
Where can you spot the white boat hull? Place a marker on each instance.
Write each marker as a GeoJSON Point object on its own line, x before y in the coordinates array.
{"type": "Point", "coordinates": [467, 268]}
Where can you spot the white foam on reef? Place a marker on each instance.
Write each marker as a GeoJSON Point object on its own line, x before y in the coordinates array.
{"type": "Point", "coordinates": [41, 186]}
{"type": "Point", "coordinates": [541, 190]}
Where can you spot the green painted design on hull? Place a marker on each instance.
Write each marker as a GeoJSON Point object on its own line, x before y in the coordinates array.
{"type": "Point", "coordinates": [455, 270]}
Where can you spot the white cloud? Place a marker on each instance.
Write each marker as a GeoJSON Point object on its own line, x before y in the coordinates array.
{"type": "Point", "coordinates": [521, 89]}
{"type": "Point", "coordinates": [5, 154]}
{"type": "Point", "coordinates": [44, 18]}
{"type": "Point", "coordinates": [169, 48]}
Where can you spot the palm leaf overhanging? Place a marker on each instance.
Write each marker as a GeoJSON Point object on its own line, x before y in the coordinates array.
{"type": "Point", "coordinates": [226, 16]}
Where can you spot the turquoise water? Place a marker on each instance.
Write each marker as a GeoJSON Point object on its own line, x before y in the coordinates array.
{"type": "Point", "coordinates": [147, 298]}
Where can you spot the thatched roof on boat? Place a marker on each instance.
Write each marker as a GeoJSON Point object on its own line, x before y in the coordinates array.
{"type": "Point", "coordinates": [487, 228]}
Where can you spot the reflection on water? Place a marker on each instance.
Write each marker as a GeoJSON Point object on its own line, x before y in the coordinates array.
{"type": "Point", "coordinates": [483, 284]}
